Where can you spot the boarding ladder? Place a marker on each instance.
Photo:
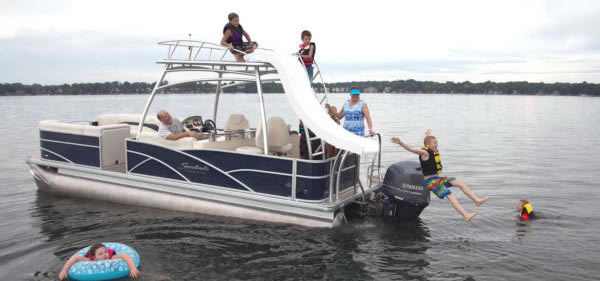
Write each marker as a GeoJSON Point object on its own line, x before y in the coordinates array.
{"type": "Point", "coordinates": [319, 150]}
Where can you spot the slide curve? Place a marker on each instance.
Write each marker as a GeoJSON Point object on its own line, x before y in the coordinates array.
{"type": "Point", "coordinates": [301, 97]}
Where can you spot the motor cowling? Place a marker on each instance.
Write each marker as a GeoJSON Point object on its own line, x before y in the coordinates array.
{"type": "Point", "coordinates": [405, 194]}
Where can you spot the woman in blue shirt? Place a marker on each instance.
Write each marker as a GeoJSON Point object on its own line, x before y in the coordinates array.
{"type": "Point", "coordinates": [354, 112]}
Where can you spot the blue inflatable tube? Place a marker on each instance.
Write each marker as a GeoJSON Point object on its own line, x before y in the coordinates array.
{"type": "Point", "coordinates": [104, 269]}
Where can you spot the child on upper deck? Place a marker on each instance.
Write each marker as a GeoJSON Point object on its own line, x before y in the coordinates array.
{"type": "Point", "coordinates": [431, 166]}
{"type": "Point", "coordinates": [233, 34]}
{"type": "Point", "coordinates": [307, 52]}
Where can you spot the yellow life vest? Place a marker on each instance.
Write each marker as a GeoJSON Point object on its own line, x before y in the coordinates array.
{"type": "Point", "coordinates": [527, 212]}
{"type": "Point", "coordinates": [433, 165]}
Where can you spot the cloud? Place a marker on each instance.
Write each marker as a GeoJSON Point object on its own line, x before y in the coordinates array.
{"type": "Point", "coordinates": [77, 57]}
{"type": "Point", "coordinates": [568, 28]}
{"type": "Point", "coordinates": [86, 41]}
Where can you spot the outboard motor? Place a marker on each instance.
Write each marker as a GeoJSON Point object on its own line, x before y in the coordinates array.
{"type": "Point", "coordinates": [402, 195]}
{"type": "Point", "coordinates": [405, 195]}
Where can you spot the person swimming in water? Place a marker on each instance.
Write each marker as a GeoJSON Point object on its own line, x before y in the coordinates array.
{"type": "Point", "coordinates": [525, 210]}
{"type": "Point", "coordinates": [431, 166]}
{"type": "Point", "coordinates": [100, 252]}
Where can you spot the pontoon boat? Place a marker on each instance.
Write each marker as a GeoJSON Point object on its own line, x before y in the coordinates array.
{"type": "Point", "coordinates": [234, 169]}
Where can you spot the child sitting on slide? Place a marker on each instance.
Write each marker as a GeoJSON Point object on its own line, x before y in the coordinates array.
{"type": "Point", "coordinates": [99, 252]}
{"type": "Point", "coordinates": [431, 166]}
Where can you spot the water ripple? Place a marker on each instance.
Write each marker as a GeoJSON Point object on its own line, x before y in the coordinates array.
{"type": "Point", "coordinates": [540, 148]}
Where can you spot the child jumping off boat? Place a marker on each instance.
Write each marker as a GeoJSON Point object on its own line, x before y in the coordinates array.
{"type": "Point", "coordinates": [431, 166]}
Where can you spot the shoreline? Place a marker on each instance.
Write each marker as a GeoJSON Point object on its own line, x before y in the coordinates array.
{"type": "Point", "coordinates": [409, 86]}
{"type": "Point", "coordinates": [241, 93]}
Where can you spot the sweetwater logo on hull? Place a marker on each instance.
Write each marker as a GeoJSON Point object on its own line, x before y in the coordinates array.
{"type": "Point", "coordinates": [194, 169]}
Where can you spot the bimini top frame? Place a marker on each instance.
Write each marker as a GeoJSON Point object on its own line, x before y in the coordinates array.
{"type": "Point", "coordinates": [198, 56]}
{"type": "Point", "coordinates": [210, 58]}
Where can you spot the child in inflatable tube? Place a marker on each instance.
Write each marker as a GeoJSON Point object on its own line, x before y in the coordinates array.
{"type": "Point", "coordinates": [431, 166]}
{"type": "Point", "coordinates": [99, 252]}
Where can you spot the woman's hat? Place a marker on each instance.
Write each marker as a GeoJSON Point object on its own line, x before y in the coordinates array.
{"type": "Point", "coordinates": [355, 91]}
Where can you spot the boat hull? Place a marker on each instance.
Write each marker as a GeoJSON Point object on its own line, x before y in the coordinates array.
{"type": "Point", "coordinates": [134, 190]}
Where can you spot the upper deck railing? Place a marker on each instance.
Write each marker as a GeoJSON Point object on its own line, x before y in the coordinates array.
{"type": "Point", "coordinates": [194, 56]}
{"type": "Point", "coordinates": [187, 55]}
{"type": "Point", "coordinates": [200, 51]}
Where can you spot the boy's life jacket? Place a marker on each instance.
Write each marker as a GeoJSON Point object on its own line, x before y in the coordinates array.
{"type": "Point", "coordinates": [305, 50]}
{"type": "Point", "coordinates": [111, 253]}
{"type": "Point", "coordinates": [433, 165]}
{"type": "Point", "coordinates": [527, 212]}
{"type": "Point", "coordinates": [236, 34]}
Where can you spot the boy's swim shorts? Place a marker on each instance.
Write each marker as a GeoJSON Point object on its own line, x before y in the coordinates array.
{"type": "Point", "coordinates": [440, 186]}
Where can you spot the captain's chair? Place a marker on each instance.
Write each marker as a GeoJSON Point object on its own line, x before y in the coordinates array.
{"type": "Point", "coordinates": [236, 122]}
{"type": "Point", "coordinates": [278, 137]}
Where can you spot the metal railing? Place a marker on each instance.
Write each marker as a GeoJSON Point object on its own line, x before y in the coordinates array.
{"type": "Point", "coordinates": [338, 167]}
{"type": "Point", "coordinates": [195, 48]}
{"type": "Point", "coordinates": [321, 149]}
{"type": "Point", "coordinates": [332, 179]}
{"type": "Point", "coordinates": [318, 73]}
{"type": "Point", "coordinates": [371, 168]}
{"type": "Point", "coordinates": [315, 75]}
{"type": "Point", "coordinates": [336, 174]}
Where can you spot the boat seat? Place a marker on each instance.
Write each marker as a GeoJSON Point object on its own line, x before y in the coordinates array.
{"type": "Point", "coordinates": [58, 127]}
{"type": "Point", "coordinates": [150, 124]}
{"type": "Point", "coordinates": [278, 138]}
{"type": "Point", "coordinates": [78, 129]}
{"type": "Point", "coordinates": [250, 149]}
{"type": "Point", "coordinates": [133, 130]}
{"type": "Point", "coordinates": [111, 139]}
{"type": "Point", "coordinates": [180, 144]}
{"type": "Point", "coordinates": [236, 122]}
{"type": "Point", "coordinates": [126, 118]}
{"type": "Point", "coordinates": [222, 144]}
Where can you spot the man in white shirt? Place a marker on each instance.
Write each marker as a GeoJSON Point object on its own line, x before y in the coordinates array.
{"type": "Point", "coordinates": [171, 128]}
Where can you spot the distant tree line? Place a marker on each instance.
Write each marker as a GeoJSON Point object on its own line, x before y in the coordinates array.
{"type": "Point", "coordinates": [504, 88]}
{"type": "Point", "coordinates": [397, 86]}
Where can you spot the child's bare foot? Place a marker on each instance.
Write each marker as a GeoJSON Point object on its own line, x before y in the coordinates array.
{"type": "Point", "coordinates": [481, 201]}
{"type": "Point", "coordinates": [470, 216]}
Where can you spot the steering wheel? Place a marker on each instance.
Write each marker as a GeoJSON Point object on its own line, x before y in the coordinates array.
{"type": "Point", "coordinates": [193, 123]}
{"type": "Point", "coordinates": [209, 126]}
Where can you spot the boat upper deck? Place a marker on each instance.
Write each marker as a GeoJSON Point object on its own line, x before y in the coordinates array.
{"type": "Point", "coordinates": [191, 52]}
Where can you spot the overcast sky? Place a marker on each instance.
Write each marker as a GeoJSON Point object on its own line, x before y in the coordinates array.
{"type": "Point", "coordinates": [52, 42]}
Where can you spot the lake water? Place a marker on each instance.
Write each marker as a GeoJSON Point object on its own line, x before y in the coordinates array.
{"type": "Point", "coordinates": [542, 148]}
